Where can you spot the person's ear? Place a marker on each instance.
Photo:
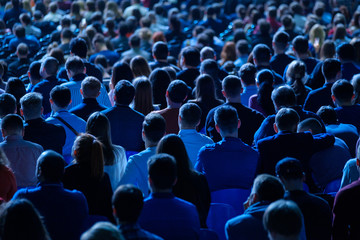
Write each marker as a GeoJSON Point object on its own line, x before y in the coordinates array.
{"type": "Point", "coordinates": [51, 101]}
{"type": "Point", "coordinates": [42, 110]}
{"type": "Point", "coordinates": [3, 133]}
{"type": "Point", "coordinates": [175, 181]}
{"type": "Point", "coordinates": [223, 93]}
{"type": "Point", "coordinates": [333, 98]}
{"type": "Point", "coordinates": [217, 128]}
{"type": "Point", "coordinates": [81, 92]}
{"type": "Point", "coordinates": [21, 112]}
{"type": "Point", "coordinates": [84, 70]}
{"type": "Point", "coordinates": [275, 128]}
{"type": "Point", "coordinates": [239, 123]}
{"type": "Point", "coordinates": [358, 162]}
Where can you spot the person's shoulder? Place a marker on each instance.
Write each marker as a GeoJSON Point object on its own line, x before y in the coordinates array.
{"type": "Point", "coordinates": [33, 145]}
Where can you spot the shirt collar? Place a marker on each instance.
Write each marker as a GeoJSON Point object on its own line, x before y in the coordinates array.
{"type": "Point", "coordinates": [13, 137]}
{"type": "Point", "coordinates": [187, 131]}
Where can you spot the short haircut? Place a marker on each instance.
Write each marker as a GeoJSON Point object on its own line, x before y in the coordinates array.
{"type": "Point", "coordinates": [74, 64]}
{"type": "Point", "coordinates": [78, 47]}
{"type": "Point", "coordinates": [102, 230]}
{"type": "Point", "coordinates": [261, 53]}
{"type": "Point", "coordinates": [209, 66]}
{"type": "Point", "coordinates": [190, 114]}
{"type": "Point", "coordinates": [7, 104]}
{"type": "Point", "coordinates": [264, 26]}
{"type": "Point", "coordinates": [53, 7]}
{"type": "Point", "coordinates": [128, 202]}
{"type": "Point", "coordinates": [25, 18]}
{"type": "Point", "coordinates": [346, 52]}
{"type": "Point", "coordinates": [310, 124]}
{"type": "Point", "coordinates": [12, 124]}
{"type": "Point", "coordinates": [289, 168]}
{"type": "Point", "coordinates": [328, 115]}
{"type": "Point", "coordinates": [191, 56]}
{"type": "Point", "coordinates": [281, 39]}
{"type": "Point", "coordinates": [154, 127]}
{"type": "Point", "coordinates": [135, 41]}
{"type": "Point", "coordinates": [51, 65]}
{"type": "Point", "coordinates": [226, 118]}
{"type": "Point", "coordinates": [61, 96]}
{"type": "Point", "coordinates": [160, 50]}
{"type": "Point", "coordinates": [31, 104]}
{"type": "Point", "coordinates": [66, 33]}
{"type": "Point", "coordinates": [232, 86]}
{"type": "Point", "coordinates": [268, 188]}
{"type": "Point", "coordinates": [19, 31]}
{"type": "Point", "coordinates": [91, 87]}
{"type": "Point", "coordinates": [247, 73]}
{"type": "Point", "coordinates": [330, 68]}
{"type": "Point", "coordinates": [242, 46]}
{"type": "Point", "coordinates": [300, 44]}
{"type": "Point", "coordinates": [178, 91]}
{"type": "Point", "coordinates": [283, 96]}
{"type": "Point", "coordinates": [22, 49]}
{"type": "Point", "coordinates": [207, 53]}
{"type": "Point", "coordinates": [52, 166]}
{"type": "Point", "coordinates": [98, 38]}
{"type": "Point", "coordinates": [162, 170]}
{"type": "Point", "coordinates": [34, 70]}
{"type": "Point", "coordinates": [284, 218]}
{"type": "Point", "coordinates": [287, 119]}
{"type": "Point", "coordinates": [124, 92]}
{"type": "Point", "coordinates": [343, 91]}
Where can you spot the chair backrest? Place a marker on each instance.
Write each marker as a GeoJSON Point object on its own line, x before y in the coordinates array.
{"type": "Point", "coordinates": [219, 214]}
{"type": "Point", "coordinates": [333, 186]}
{"type": "Point", "coordinates": [235, 197]}
{"type": "Point", "coordinates": [207, 234]}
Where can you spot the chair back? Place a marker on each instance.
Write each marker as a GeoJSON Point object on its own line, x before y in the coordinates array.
{"type": "Point", "coordinates": [235, 197]}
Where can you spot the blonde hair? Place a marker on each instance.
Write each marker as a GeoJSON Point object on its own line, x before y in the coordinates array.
{"type": "Point", "coordinates": [317, 31]}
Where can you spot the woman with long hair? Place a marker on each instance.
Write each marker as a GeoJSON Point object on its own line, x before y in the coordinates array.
{"type": "Point", "coordinates": [295, 77]}
{"type": "Point", "coordinates": [160, 80]}
{"type": "Point", "coordinates": [228, 53]}
{"type": "Point", "coordinates": [115, 161]}
{"type": "Point", "coordinates": [120, 71]}
{"type": "Point", "coordinates": [7, 178]}
{"type": "Point", "coordinates": [140, 67]}
{"type": "Point", "coordinates": [191, 185]}
{"type": "Point", "coordinates": [143, 100]}
{"type": "Point", "coordinates": [87, 175]}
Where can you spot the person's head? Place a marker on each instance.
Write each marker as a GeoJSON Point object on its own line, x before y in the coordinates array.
{"type": "Point", "coordinates": [296, 72]}
{"type": "Point", "coordinates": [286, 119]}
{"type": "Point", "coordinates": [53, 7]}
{"type": "Point", "coordinates": [331, 69]}
{"type": "Point", "coordinates": [346, 52]}
{"type": "Point", "coordinates": [12, 124]}
{"type": "Point", "coordinates": [49, 67]}
{"type": "Point", "coordinates": [121, 71]}
{"type": "Point", "coordinates": [134, 41]}
{"type": "Point", "coordinates": [227, 121]}
{"type": "Point", "coordinates": [78, 47]}
{"type": "Point", "coordinates": [177, 91]}
{"type": "Point", "coordinates": [98, 42]}
{"type": "Point", "coordinates": [266, 188]}
{"type": "Point", "coordinates": [300, 45]}
{"type": "Point", "coordinates": [50, 167]}
{"type": "Point", "coordinates": [154, 127]}
{"type": "Point", "coordinates": [283, 220]}
{"type": "Point", "coordinates": [160, 51]}
{"type": "Point", "coordinates": [140, 67]}
{"type": "Point", "coordinates": [209, 66]}
{"type": "Point", "coordinates": [20, 220]}
{"type": "Point", "coordinates": [327, 50]}
{"type": "Point", "coordinates": [189, 116]}
{"type": "Point", "coordinates": [22, 50]}
{"type": "Point", "coordinates": [231, 86]}
{"type": "Point", "coordinates": [60, 97]}
{"type": "Point", "coordinates": [74, 65]}
{"type": "Point", "coordinates": [15, 87]}
{"type": "Point", "coordinates": [328, 115]}
{"type": "Point", "coordinates": [160, 80]}
{"type": "Point", "coordinates": [290, 171]}
{"type": "Point", "coordinates": [124, 92]}
{"type": "Point", "coordinates": [342, 92]}
{"type": "Point", "coordinates": [90, 87]}
{"type": "Point", "coordinates": [355, 81]}
{"type": "Point", "coordinates": [264, 26]}
{"type": "Point", "coordinates": [102, 230]}
{"type": "Point", "coordinates": [228, 52]}
{"type": "Point", "coordinates": [205, 88]}
{"type": "Point", "coordinates": [247, 74]}
{"type": "Point", "coordinates": [7, 104]}
{"type": "Point", "coordinates": [58, 54]}
{"type": "Point", "coordinates": [312, 125]}
{"type": "Point", "coordinates": [242, 47]}
{"type": "Point", "coordinates": [87, 151]}
{"type": "Point", "coordinates": [19, 31]}
{"type": "Point", "coordinates": [207, 53]}
{"type": "Point", "coordinates": [283, 96]}
{"type": "Point", "coordinates": [31, 105]}
{"type": "Point", "coordinates": [143, 100]}
{"type": "Point", "coordinates": [162, 172]}
{"type": "Point", "coordinates": [190, 57]}
{"type": "Point", "coordinates": [127, 203]}
{"type": "Point", "coordinates": [261, 54]}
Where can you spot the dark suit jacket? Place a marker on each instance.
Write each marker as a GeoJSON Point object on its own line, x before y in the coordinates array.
{"type": "Point", "coordinates": [188, 76]}
{"type": "Point", "coordinates": [319, 97]}
{"type": "Point", "coordinates": [87, 107]}
{"type": "Point", "coordinates": [91, 70]}
{"type": "Point", "coordinates": [126, 127]}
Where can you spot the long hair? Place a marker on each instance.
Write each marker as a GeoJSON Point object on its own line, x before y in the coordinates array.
{"type": "Point", "coordinates": [98, 125]}
{"type": "Point", "coordinates": [87, 150]}
{"type": "Point", "coordinates": [160, 80]}
{"type": "Point", "coordinates": [205, 88]}
{"type": "Point", "coordinates": [228, 53]}
{"type": "Point", "coordinates": [121, 71]}
{"type": "Point", "coordinates": [140, 66]}
{"type": "Point", "coordinates": [295, 75]}
{"type": "Point", "coordinates": [143, 100]}
{"type": "Point", "coordinates": [265, 80]}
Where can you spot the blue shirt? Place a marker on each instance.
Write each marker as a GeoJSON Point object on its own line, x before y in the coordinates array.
{"type": "Point", "coordinates": [77, 123]}
{"type": "Point", "coordinates": [111, 56]}
{"type": "Point", "coordinates": [247, 93]}
{"type": "Point", "coordinates": [134, 232]}
{"type": "Point", "coordinates": [170, 217]}
{"type": "Point", "coordinates": [30, 41]}
{"type": "Point", "coordinates": [229, 163]}
{"type": "Point", "coordinates": [136, 171]}
{"type": "Point", "coordinates": [349, 115]}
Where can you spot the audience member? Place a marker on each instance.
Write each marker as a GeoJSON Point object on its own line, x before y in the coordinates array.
{"type": "Point", "coordinates": [101, 49]}
{"type": "Point", "coordinates": [247, 74]}
{"type": "Point", "coordinates": [301, 50]}
{"type": "Point", "coordinates": [34, 75]}
{"type": "Point", "coordinates": [280, 59]}
{"type": "Point", "coordinates": [102, 230]}
{"type": "Point", "coordinates": [346, 55]}
{"type": "Point", "coordinates": [190, 60]}
{"type": "Point", "coordinates": [135, 50]}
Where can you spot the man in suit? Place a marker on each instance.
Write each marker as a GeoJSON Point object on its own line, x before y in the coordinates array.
{"type": "Point", "coordinates": [190, 60]}
{"type": "Point", "coordinates": [126, 123]}
{"type": "Point", "coordinates": [160, 52]}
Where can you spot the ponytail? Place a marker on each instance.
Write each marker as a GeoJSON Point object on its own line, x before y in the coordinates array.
{"type": "Point", "coordinates": [97, 160]}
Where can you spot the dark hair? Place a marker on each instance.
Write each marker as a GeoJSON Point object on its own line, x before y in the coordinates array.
{"type": "Point", "coordinates": [160, 50]}
{"type": "Point", "coordinates": [287, 119]}
{"type": "Point", "coordinates": [91, 87]}
{"type": "Point", "coordinates": [328, 115]}
{"type": "Point", "coordinates": [289, 168]}
{"type": "Point", "coordinates": [247, 73]}
{"type": "Point", "coordinates": [346, 52]}
{"type": "Point", "coordinates": [300, 44]}
{"type": "Point", "coordinates": [264, 26]}
{"type": "Point", "coordinates": [343, 91]}
{"type": "Point", "coordinates": [51, 65]}
{"type": "Point", "coordinates": [21, 220]}
{"type": "Point", "coordinates": [160, 81]}
{"type": "Point", "coordinates": [265, 79]}
{"type": "Point", "coordinates": [355, 81]}
{"type": "Point", "coordinates": [78, 47]}
{"type": "Point", "coordinates": [162, 170]}
{"type": "Point", "coordinates": [51, 165]}
{"type": "Point", "coordinates": [98, 38]}
{"type": "Point", "coordinates": [281, 39]}
{"type": "Point", "coordinates": [16, 87]}
{"type": "Point", "coordinates": [143, 99]}
{"type": "Point", "coordinates": [242, 46]}
{"type": "Point", "coordinates": [268, 188]}
{"type": "Point", "coordinates": [295, 74]}
{"type": "Point", "coordinates": [124, 92]}
{"type": "Point", "coordinates": [330, 68]}
{"type": "Point", "coordinates": [261, 53]}
{"type": "Point", "coordinates": [61, 96]}
{"type": "Point", "coordinates": [310, 124]}
{"type": "Point", "coordinates": [226, 118]}
{"type": "Point", "coordinates": [154, 127]}
{"type": "Point", "coordinates": [283, 96]}
{"type": "Point", "coordinates": [19, 31]}
{"type": "Point", "coordinates": [207, 53]}
{"type": "Point", "coordinates": [140, 66]}
{"type": "Point", "coordinates": [121, 71]}
{"type": "Point", "coordinates": [58, 54]}
{"type": "Point", "coordinates": [75, 65]}
{"type": "Point", "coordinates": [12, 124]}
{"type": "Point", "coordinates": [178, 91]}
{"type": "Point", "coordinates": [128, 202]}
{"type": "Point", "coordinates": [175, 23]}
{"type": "Point", "coordinates": [98, 125]}
{"type": "Point", "coordinates": [190, 114]}
{"type": "Point", "coordinates": [232, 86]}
{"type": "Point", "coordinates": [66, 33]}
{"type": "Point", "coordinates": [134, 41]}
{"type": "Point", "coordinates": [205, 88]}
{"type": "Point", "coordinates": [22, 49]}
{"type": "Point", "coordinates": [191, 56]}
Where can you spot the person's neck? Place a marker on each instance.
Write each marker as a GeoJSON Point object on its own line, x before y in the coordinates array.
{"type": "Point", "coordinates": [182, 127]}
{"type": "Point", "coordinates": [57, 109]}
{"type": "Point", "coordinates": [229, 135]}
{"type": "Point", "coordinates": [65, 41]}
{"type": "Point", "coordinates": [149, 144]}
{"type": "Point", "coordinates": [174, 105]}
{"type": "Point", "coordinates": [34, 82]}
{"type": "Point", "coordinates": [294, 185]}
{"type": "Point", "coordinates": [188, 67]}
{"type": "Point", "coordinates": [344, 104]}
{"type": "Point", "coordinates": [278, 51]}
{"type": "Point", "coordinates": [161, 60]}
{"type": "Point", "coordinates": [102, 48]}
{"type": "Point", "coordinates": [161, 190]}
{"type": "Point", "coordinates": [330, 80]}
{"type": "Point", "coordinates": [31, 118]}
{"type": "Point", "coordinates": [302, 56]}
{"type": "Point", "coordinates": [234, 100]}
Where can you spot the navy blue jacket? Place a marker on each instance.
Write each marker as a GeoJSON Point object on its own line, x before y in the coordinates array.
{"type": "Point", "coordinates": [91, 70]}
{"type": "Point", "coordinates": [279, 62]}
{"type": "Point", "coordinates": [349, 115]}
{"type": "Point", "coordinates": [87, 107]}
{"type": "Point", "coordinates": [348, 70]}
{"type": "Point", "coordinates": [319, 97]}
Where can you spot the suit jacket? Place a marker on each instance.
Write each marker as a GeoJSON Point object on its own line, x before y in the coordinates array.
{"type": "Point", "coordinates": [319, 97]}
{"type": "Point", "coordinates": [188, 76]}
{"type": "Point", "coordinates": [87, 107]}
{"type": "Point", "coordinates": [126, 127]}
